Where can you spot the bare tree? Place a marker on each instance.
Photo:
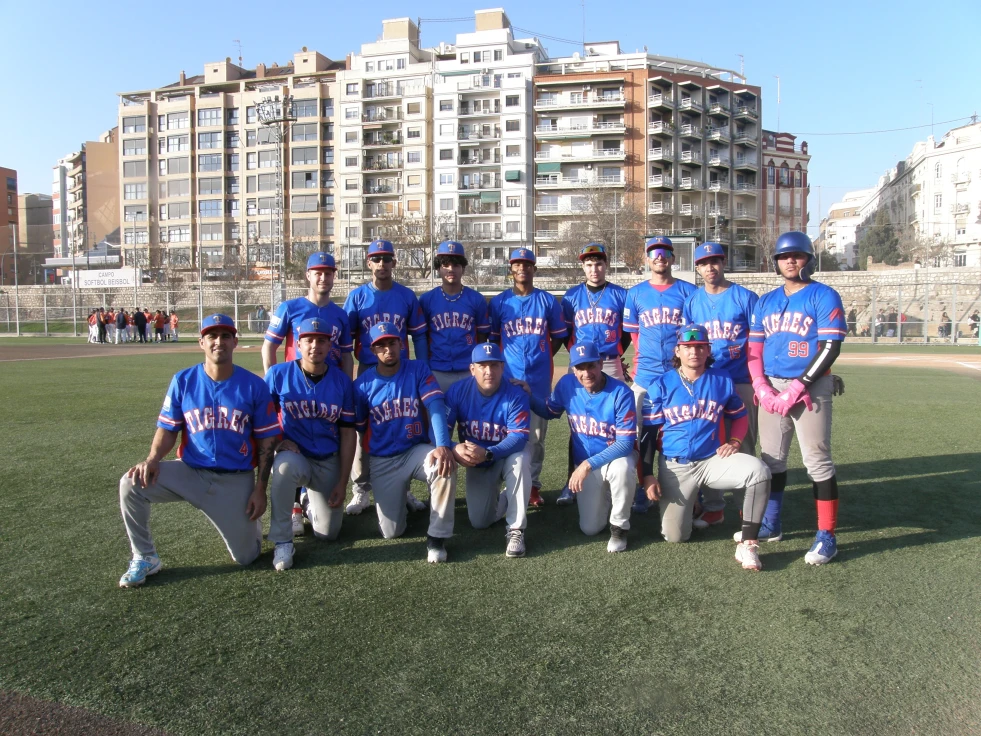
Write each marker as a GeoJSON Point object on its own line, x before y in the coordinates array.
{"type": "Point", "coordinates": [911, 245]}
{"type": "Point", "coordinates": [764, 238]}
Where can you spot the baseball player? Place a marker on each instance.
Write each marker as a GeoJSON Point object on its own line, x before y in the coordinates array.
{"type": "Point", "coordinates": [795, 337]}
{"type": "Point", "coordinates": [382, 300]}
{"type": "Point", "coordinates": [652, 315]}
{"type": "Point", "coordinates": [603, 425]}
{"type": "Point", "coordinates": [493, 418]}
{"type": "Point", "coordinates": [456, 316]}
{"type": "Point", "coordinates": [724, 309]}
{"type": "Point", "coordinates": [593, 312]}
{"type": "Point", "coordinates": [392, 400]}
{"type": "Point", "coordinates": [683, 409]}
{"type": "Point", "coordinates": [174, 323]}
{"type": "Point", "coordinates": [315, 400]}
{"type": "Point", "coordinates": [229, 429]}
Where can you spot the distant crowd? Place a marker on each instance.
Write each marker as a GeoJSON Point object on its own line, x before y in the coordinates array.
{"type": "Point", "coordinates": [139, 325]}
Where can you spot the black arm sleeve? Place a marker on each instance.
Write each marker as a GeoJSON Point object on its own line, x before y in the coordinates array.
{"type": "Point", "coordinates": [648, 449]}
{"type": "Point", "coordinates": [827, 353]}
{"type": "Point", "coordinates": [625, 341]}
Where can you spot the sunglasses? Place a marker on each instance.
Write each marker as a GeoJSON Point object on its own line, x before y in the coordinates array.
{"type": "Point", "coordinates": [589, 249]}
{"type": "Point", "coordinates": [381, 259]}
{"type": "Point", "coordinates": [655, 253]}
{"type": "Point", "coordinates": [691, 335]}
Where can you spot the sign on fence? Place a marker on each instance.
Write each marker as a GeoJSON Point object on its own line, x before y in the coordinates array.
{"type": "Point", "coordinates": [107, 278]}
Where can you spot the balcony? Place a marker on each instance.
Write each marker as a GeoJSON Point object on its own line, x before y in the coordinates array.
{"type": "Point", "coordinates": [555, 103]}
{"type": "Point", "coordinates": [660, 99]}
{"type": "Point", "coordinates": [745, 111]}
{"type": "Point", "coordinates": [713, 211]}
{"type": "Point", "coordinates": [961, 177]}
{"type": "Point", "coordinates": [785, 211]}
{"type": "Point", "coordinates": [546, 236]}
{"type": "Point", "coordinates": [562, 182]}
{"type": "Point", "coordinates": [664, 153]}
{"type": "Point", "coordinates": [743, 239]}
{"type": "Point", "coordinates": [469, 209]}
{"type": "Point", "coordinates": [745, 187]}
{"type": "Point", "coordinates": [689, 210]}
{"type": "Point", "coordinates": [477, 161]}
{"type": "Point", "coordinates": [381, 164]}
{"type": "Point", "coordinates": [660, 181]}
{"type": "Point", "coordinates": [378, 212]}
{"type": "Point", "coordinates": [380, 141]}
{"type": "Point", "coordinates": [718, 134]}
{"type": "Point", "coordinates": [690, 131]}
{"type": "Point", "coordinates": [660, 127]}
{"type": "Point", "coordinates": [379, 90]}
{"type": "Point", "coordinates": [745, 139]}
{"type": "Point", "coordinates": [747, 162]}
{"type": "Point", "coordinates": [482, 234]}
{"type": "Point", "coordinates": [660, 208]}
{"type": "Point", "coordinates": [744, 214]}
{"type": "Point", "coordinates": [691, 104]}
{"type": "Point", "coordinates": [574, 131]}
{"type": "Point", "coordinates": [559, 209]}
{"type": "Point", "coordinates": [490, 183]}
{"type": "Point", "coordinates": [719, 109]}
{"type": "Point", "coordinates": [581, 155]}
{"type": "Point", "coordinates": [382, 116]}
{"type": "Point", "coordinates": [468, 111]}
{"type": "Point", "coordinates": [382, 189]}
{"type": "Point", "coordinates": [718, 160]}
{"type": "Point", "coordinates": [479, 135]}
{"type": "Point", "coordinates": [960, 209]}
{"type": "Point", "coordinates": [690, 183]}
{"type": "Point", "coordinates": [691, 157]}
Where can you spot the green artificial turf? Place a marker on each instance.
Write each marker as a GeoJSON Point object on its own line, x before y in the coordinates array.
{"type": "Point", "coordinates": [362, 636]}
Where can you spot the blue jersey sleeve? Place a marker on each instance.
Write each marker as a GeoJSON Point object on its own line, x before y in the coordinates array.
{"type": "Point", "coordinates": [630, 320]}
{"type": "Point", "coordinates": [518, 424]}
{"type": "Point", "coordinates": [653, 413]}
{"type": "Point", "coordinates": [279, 324]}
{"type": "Point", "coordinates": [481, 313]}
{"type": "Point", "coordinates": [171, 415]}
{"type": "Point", "coordinates": [265, 422]}
{"type": "Point", "coordinates": [417, 320]}
{"type": "Point", "coordinates": [556, 322]}
{"type": "Point", "coordinates": [830, 315]}
{"type": "Point", "coordinates": [734, 408]}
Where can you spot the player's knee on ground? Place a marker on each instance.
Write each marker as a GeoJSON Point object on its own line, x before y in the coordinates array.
{"type": "Point", "coordinates": [391, 529]}
{"type": "Point", "coordinates": [591, 529]}
{"type": "Point", "coordinates": [673, 534]}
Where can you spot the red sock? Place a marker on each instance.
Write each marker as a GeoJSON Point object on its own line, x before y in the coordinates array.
{"type": "Point", "coordinates": [827, 515]}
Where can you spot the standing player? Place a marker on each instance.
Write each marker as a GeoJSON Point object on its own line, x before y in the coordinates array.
{"type": "Point", "coordinates": [456, 316]}
{"type": "Point", "coordinates": [382, 300]}
{"type": "Point", "coordinates": [392, 400]}
{"type": "Point", "coordinates": [227, 420]}
{"type": "Point", "coordinates": [593, 313]}
{"type": "Point", "coordinates": [603, 425]}
{"type": "Point", "coordinates": [652, 315]}
{"type": "Point", "coordinates": [315, 400]}
{"type": "Point", "coordinates": [682, 413]}
{"type": "Point", "coordinates": [174, 322]}
{"type": "Point", "coordinates": [795, 337]}
{"type": "Point", "coordinates": [725, 310]}
{"type": "Point", "coordinates": [493, 416]}
{"type": "Point", "coordinates": [528, 324]}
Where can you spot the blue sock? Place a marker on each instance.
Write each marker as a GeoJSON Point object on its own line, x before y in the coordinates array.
{"type": "Point", "coordinates": [773, 507]}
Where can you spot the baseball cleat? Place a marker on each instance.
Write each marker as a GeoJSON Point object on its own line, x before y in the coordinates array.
{"type": "Point", "coordinates": [414, 504]}
{"type": "Point", "coordinates": [618, 539]}
{"type": "Point", "coordinates": [140, 568]}
{"type": "Point", "coordinates": [566, 498]}
{"type": "Point", "coordinates": [640, 504]}
{"type": "Point", "coordinates": [708, 518]}
{"type": "Point", "coordinates": [283, 556]}
{"type": "Point", "coordinates": [536, 500]}
{"type": "Point", "coordinates": [769, 532]}
{"type": "Point", "coordinates": [297, 520]}
{"type": "Point", "coordinates": [359, 503]}
{"type": "Point", "coordinates": [435, 549]}
{"type": "Point", "coordinates": [516, 543]}
{"type": "Point", "coordinates": [825, 547]}
{"type": "Point", "coordinates": [748, 555]}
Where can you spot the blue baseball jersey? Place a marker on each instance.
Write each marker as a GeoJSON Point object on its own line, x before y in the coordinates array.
{"type": "Point", "coordinates": [393, 413]}
{"type": "Point", "coordinates": [790, 327]}
{"type": "Point", "coordinates": [692, 422]}
{"type": "Point", "coordinates": [453, 324]}
{"type": "Point", "coordinates": [284, 326]}
{"type": "Point", "coordinates": [366, 306]}
{"type": "Point", "coordinates": [726, 318]}
{"type": "Point", "coordinates": [311, 414]}
{"type": "Point", "coordinates": [488, 420]}
{"type": "Point", "coordinates": [655, 315]}
{"type": "Point", "coordinates": [597, 420]}
{"type": "Point", "coordinates": [596, 318]}
{"type": "Point", "coordinates": [218, 420]}
{"type": "Point", "coordinates": [525, 326]}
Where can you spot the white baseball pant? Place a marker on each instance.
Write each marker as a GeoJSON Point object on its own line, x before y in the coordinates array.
{"type": "Point", "coordinates": [606, 495]}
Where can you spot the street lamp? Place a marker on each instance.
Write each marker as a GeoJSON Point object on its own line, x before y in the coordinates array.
{"type": "Point", "coordinates": [277, 115]}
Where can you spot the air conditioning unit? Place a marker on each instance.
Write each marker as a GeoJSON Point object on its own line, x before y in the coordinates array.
{"type": "Point", "coordinates": [589, 167]}
{"type": "Point", "coordinates": [587, 88]}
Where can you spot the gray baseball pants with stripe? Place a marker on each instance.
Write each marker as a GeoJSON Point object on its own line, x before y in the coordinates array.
{"type": "Point", "coordinates": [291, 470]}
{"type": "Point", "coordinates": [484, 491]}
{"type": "Point", "coordinates": [606, 495]}
{"type": "Point", "coordinates": [392, 476]}
{"type": "Point", "coordinates": [813, 430]}
{"type": "Point", "coordinates": [712, 499]}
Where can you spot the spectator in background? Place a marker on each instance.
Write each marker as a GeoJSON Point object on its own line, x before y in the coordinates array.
{"type": "Point", "coordinates": [973, 321]}
{"type": "Point", "coordinates": [100, 321]}
{"type": "Point", "coordinates": [944, 330]}
{"type": "Point", "coordinates": [174, 321]}
{"type": "Point", "coordinates": [139, 323]}
{"type": "Point", "coordinates": [130, 328]}
{"type": "Point", "coordinates": [880, 323]}
{"type": "Point", "coordinates": [93, 326]}
{"type": "Point", "coordinates": [158, 326]}
{"type": "Point", "coordinates": [149, 324]}
{"type": "Point", "coordinates": [120, 326]}
{"type": "Point", "coordinates": [891, 318]}
{"type": "Point", "coordinates": [851, 319]}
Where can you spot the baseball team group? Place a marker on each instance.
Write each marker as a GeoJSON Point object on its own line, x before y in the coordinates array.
{"type": "Point", "coordinates": [716, 370]}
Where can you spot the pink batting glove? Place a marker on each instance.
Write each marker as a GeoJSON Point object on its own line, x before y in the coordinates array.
{"type": "Point", "coordinates": [764, 394]}
{"type": "Point", "coordinates": [787, 398]}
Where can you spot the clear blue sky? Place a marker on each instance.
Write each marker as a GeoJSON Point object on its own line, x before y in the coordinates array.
{"type": "Point", "coordinates": [844, 66]}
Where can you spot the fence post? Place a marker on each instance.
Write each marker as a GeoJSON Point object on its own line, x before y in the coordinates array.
{"type": "Point", "coordinates": [926, 314]}
{"type": "Point", "coordinates": [872, 319]}
{"type": "Point", "coordinates": [235, 300]}
{"type": "Point", "coordinates": [44, 307]}
{"type": "Point", "coordinates": [953, 313]}
{"type": "Point", "coordinates": [899, 313]}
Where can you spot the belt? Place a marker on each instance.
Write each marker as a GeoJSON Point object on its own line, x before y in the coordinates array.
{"type": "Point", "coordinates": [679, 460]}
{"type": "Point", "coordinates": [222, 472]}
{"type": "Point", "coordinates": [321, 458]}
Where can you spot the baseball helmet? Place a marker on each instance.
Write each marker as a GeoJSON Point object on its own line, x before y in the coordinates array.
{"type": "Point", "coordinates": [218, 322]}
{"type": "Point", "coordinates": [793, 242]}
{"type": "Point", "coordinates": [658, 241]}
{"type": "Point", "coordinates": [583, 352]}
{"type": "Point", "coordinates": [693, 335]}
{"type": "Point", "coordinates": [593, 249]}
{"type": "Point", "coordinates": [709, 250]}
{"type": "Point", "coordinates": [313, 326]}
{"type": "Point", "coordinates": [486, 352]}
{"type": "Point", "coordinates": [321, 260]}
{"type": "Point", "coordinates": [382, 331]}
{"type": "Point", "coordinates": [452, 248]}
{"type": "Point", "coordinates": [380, 247]}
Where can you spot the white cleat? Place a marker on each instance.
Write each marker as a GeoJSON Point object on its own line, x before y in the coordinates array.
{"type": "Point", "coordinates": [748, 555]}
{"type": "Point", "coordinates": [413, 503]}
{"type": "Point", "coordinates": [435, 550]}
{"type": "Point", "coordinates": [359, 503]}
{"type": "Point", "coordinates": [618, 539]}
{"type": "Point", "coordinates": [297, 520]}
{"type": "Point", "coordinates": [283, 556]}
{"type": "Point", "coordinates": [516, 543]}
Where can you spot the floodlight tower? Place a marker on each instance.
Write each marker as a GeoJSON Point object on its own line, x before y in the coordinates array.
{"type": "Point", "coordinates": [278, 116]}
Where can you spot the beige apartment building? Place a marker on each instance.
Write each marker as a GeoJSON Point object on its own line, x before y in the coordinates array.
{"type": "Point", "coordinates": [8, 224]}
{"type": "Point", "coordinates": [85, 197]}
{"type": "Point", "coordinates": [784, 188]}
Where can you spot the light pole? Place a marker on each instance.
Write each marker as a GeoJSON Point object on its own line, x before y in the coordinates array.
{"type": "Point", "coordinates": [278, 116]}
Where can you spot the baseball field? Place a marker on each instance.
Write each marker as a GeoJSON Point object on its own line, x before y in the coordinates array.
{"type": "Point", "coordinates": [362, 636]}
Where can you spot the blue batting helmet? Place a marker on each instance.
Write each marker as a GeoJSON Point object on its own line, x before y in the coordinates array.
{"type": "Point", "coordinates": [709, 250]}
{"type": "Point", "coordinates": [794, 242]}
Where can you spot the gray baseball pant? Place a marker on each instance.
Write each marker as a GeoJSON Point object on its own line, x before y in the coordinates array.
{"type": "Point", "coordinates": [484, 491]}
{"type": "Point", "coordinates": [361, 470]}
{"type": "Point", "coordinates": [712, 499]}
{"type": "Point", "coordinates": [536, 441]}
{"type": "Point", "coordinates": [392, 478]}
{"type": "Point", "coordinates": [813, 429]}
{"type": "Point", "coordinates": [445, 379]}
{"type": "Point", "coordinates": [222, 497]}
{"type": "Point", "coordinates": [606, 495]}
{"type": "Point", "coordinates": [680, 484]}
{"type": "Point", "coordinates": [290, 471]}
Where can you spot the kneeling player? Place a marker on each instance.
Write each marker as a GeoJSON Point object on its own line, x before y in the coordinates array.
{"type": "Point", "coordinates": [391, 401]}
{"type": "Point", "coordinates": [684, 408]}
{"type": "Point", "coordinates": [226, 416]}
{"type": "Point", "coordinates": [316, 407]}
{"type": "Point", "coordinates": [493, 419]}
{"type": "Point", "coordinates": [603, 425]}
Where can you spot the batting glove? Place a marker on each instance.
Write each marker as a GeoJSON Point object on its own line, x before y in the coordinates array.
{"type": "Point", "coordinates": [764, 394]}
{"type": "Point", "coordinates": [787, 398]}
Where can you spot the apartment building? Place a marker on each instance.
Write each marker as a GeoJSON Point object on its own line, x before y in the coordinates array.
{"type": "Point", "coordinates": [8, 224]}
{"type": "Point", "coordinates": [839, 227]}
{"type": "Point", "coordinates": [199, 169]}
{"type": "Point", "coordinates": [783, 189]}
{"type": "Point", "coordinates": [85, 196]}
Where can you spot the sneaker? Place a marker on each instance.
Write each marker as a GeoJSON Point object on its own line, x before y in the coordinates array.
{"type": "Point", "coordinates": [640, 504]}
{"type": "Point", "coordinates": [536, 500]}
{"type": "Point", "coordinates": [283, 556]}
{"type": "Point", "coordinates": [414, 504]}
{"type": "Point", "coordinates": [748, 555]}
{"type": "Point", "coordinates": [566, 498]}
{"type": "Point", "coordinates": [139, 568]}
{"type": "Point", "coordinates": [516, 543]}
{"type": "Point", "coordinates": [436, 551]}
{"type": "Point", "coordinates": [769, 532]}
{"type": "Point", "coordinates": [708, 518]}
{"type": "Point", "coordinates": [825, 547]}
{"type": "Point", "coordinates": [297, 520]}
{"type": "Point", "coordinates": [359, 503]}
{"type": "Point", "coordinates": [618, 539]}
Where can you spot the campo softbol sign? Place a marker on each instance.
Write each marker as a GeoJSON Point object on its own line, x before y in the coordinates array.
{"type": "Point", "coordinates": [108, 278]}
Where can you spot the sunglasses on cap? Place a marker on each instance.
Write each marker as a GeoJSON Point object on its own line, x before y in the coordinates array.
{"type": "Point", "coordinates": [381, 259]}
{"type": "Point", "coordinates": [691, 335]}
{"type": "Point", "coordinates": [590, 249]}
{"type": "Point", "coordinates": [655, 253]}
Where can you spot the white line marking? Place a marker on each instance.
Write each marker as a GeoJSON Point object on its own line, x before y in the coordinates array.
{"type": "Point", "coordinates": [975, 366]}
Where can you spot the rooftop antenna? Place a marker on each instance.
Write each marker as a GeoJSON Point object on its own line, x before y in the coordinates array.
{"type": "Point", "coordinates": [584, 28]}
{"type": "Point", "coordinates": [239, 45]}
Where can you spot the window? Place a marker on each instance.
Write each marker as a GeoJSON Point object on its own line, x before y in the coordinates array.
{"type": "Point", "coordinates": [351, 113]}
{"type": "Point", "coordinates": [265, 136]}
{"type": "Point", "coordinates": [446, 129]}
{"type": "Point", "coordinates": [210, 185]}
{"type": "Point", "coordinates": [178, 120]}
{"type": "Point", "coordinates": [327, 179]}
{"type": "Point", "coordinates": [132, 237]}
{"type": "Point", "coordinates": [304, 203]}
{"type": "Point", "coordinates": [351, 208]}
{"type": "Point", "coordinates": [134, 147]}
{"type": "Point", "coordinates": [267, 182]}
{"type": "Point", "coordinates": [412, 108]}
{"type": "Point", "coordinates": [161, 145]}
{"type": "Point", "coordinates": [784, 176]}
{"type": "Point", "coordinates": [304, 228]}
{"type": "Point", "coordinates": [351, 136]}
{"type": "Point", "coordinates": [250, 114]}
{"type": "Point", "coordinates": [328, 203]}
{"type": "Point", "coordinates": [350, 185]}
{"type": "Point", "coordinates": [513, 226]}
{"type": "Point", "coordinates": [231, 185]}
{"type": "Point", "coordinates": [498, 54]}
{"type": "Point", "coordinates": [328, 131]}
{"type": "Point", "coordinates": [446, 154]}
{"type": "Point", "coordinates": [212, 231]}
{"type": "Point", "coordinates": [209, 162]}
{"type": "Point", "coordinates": [176, 143]}
{"type": "Point", "coordinates": [351, 88]}
{"type": "Point", "coordinates": [209, 140]}
{"type": "Point", "coordinates": [413, 157]}
{"type": "Point", "coordinates": [231, 116]}
{"type": "Point", "coordinates": [136, 124]}
{"type": "Point", "coordinates": [351, 161]}
{"type": "Point", "coordinates": [369, 66]}
{"type": "Point", "coordinates": [179, 234]}
{"type": "Point", "coordinates": [251, 161]}
{"type": "Point", "coordinates": [413, 180]}
{"type": "Point", "coordinates": [400, 63]}
{"type": "Point", "coordinates": [465, 57]}
{"type": "Point", "coordinates": [797, 177]}
{"type": "Point", "coordinates": [234, 231]}
{"type": "Point", "coordinates": [267, 159]}
{"type": "Point", "coordinates": [232, 139]}
{"type": "Point", "coordinates": [250, 136]}
{"type": "Point", "coordinates": [304, 156]}
{"type": "Point", "coordinates": [960, 260]}
{"type": "Point", "coordinates": [304, 179]}
{"type": "Point", "coordinates": [209, 117]}
{"type": "Point", "coordinates": [134, 168]}
{"type": "Point", "coordinates": [413, 205]}
{"type": "Point", "coordinates": [233, 161]}
{"type": "Point", "coordinates": [511, 101]}
{"type": "Point", "coordinates": [445, 105]}
{"type": "Point", "coordinates": [513, 202]}
{"type": "Point", "coordinates": [328, 154]}
{"type": "Point", "coordinates": [413, 133]}
{"type": "Point", "coordinates": [770, 172]}
{"type": "Point", "coordinates": [328, 107]}
{"type": "Point", "coordinates": [135, 213]}
{"type": "Point", "coordinates": [477, 56]}
{"type": "Point", "coordinates": [306, 108]}
{"type": "Point", "coordinates": [938, 170]}
{"type": "Point", "coordinates": [512, 151]}
{"type": "Point", "coordinates": [209, 207]}
{"type": "Point", "coordinates": [250, 186]}
{"type": "Point", "coordinates": [175, 211]}
{"type": "Point", "coordinates": [446, 178]}
{"type": "Point", "coordinates": [512, 125]}
{"type": "Point", "coordinates": [938, 200]}
{"type": "Point", "coordinates": [352, 233]}
{"type": "Point", "coordinates": [178, 188]}
{"type": "Point", "coordinates": [446, 205]}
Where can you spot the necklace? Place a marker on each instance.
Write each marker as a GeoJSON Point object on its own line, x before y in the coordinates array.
{"type": "Point", "coordinates": [449, 298]}
{"type": "Point", "coordinates": [689, 385]}
{"type": "Point", "coordinates": [599, 295]}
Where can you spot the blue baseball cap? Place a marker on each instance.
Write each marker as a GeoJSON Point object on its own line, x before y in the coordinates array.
{"type": "Point", "coordinates": [321, 260]}
{"type": "Point", "coordinates": [593, 249]}
{"type": "Point", "coordinates": [583, 352]}
{"type": "Point", "coordinates": [659, 241]}
{"type": "Point", "coordinates": [486, 352]}
{"type": "Point", "coordinates": [218, 321]}
{"type": "Point", "coordinates": [452, 248]}
{"type": "Point", "coordinates": [380, 247]}
{"type": "Point", "coordinates": [709, 250]}
{"type": "Point", "coordinates": [383, 331]}
{"type": "Point", "coordinates": [313, 326]}
{"type": "Point", "coordinates": [522, 254]}
{"type": "Point", "coordinates": [692, 335]}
